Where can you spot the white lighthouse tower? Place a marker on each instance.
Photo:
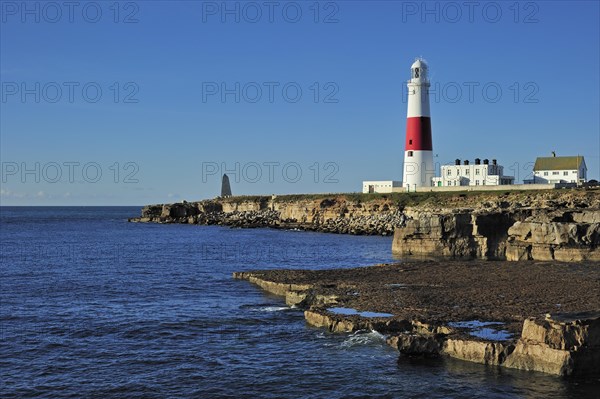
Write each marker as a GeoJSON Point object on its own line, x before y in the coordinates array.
{"type": "Point", "coordinates": [418, 154]}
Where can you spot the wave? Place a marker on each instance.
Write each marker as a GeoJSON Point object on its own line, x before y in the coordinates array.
{"type": "Point", "coordinates": [272, 309]}
{"type": "Point", "coordinates": [266, 307]}
{"type": "Point", "coordinates": [363, 337]}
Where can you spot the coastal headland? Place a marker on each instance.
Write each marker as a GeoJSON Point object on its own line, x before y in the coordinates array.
{"type": "Point", "coordinates": [559, 225]}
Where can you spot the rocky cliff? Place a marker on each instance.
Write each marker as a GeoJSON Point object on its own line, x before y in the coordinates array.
{"type": "Point", "coordinates": [563, 226]}
{"type": "Point", "coordinates": [541, 225]}
{"type": "Point", "coordinates": [342, 214]}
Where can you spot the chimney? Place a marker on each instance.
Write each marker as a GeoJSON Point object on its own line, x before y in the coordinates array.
{"type": "Point", "coordinates": [477, 161]}
{"type": "Point", "coordinates": [494, 162]}
{"type": "Point", "coordinates": [457, 161]}
{"type": "Point", "coordinates": [486, 161]}
{"type": "Point", "coordinates": [466, 162]}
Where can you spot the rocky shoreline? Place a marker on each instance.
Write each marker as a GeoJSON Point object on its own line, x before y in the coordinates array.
{"type": "Point", "coordinates": [527, 315]}
{"type": "Point", "coordinates": [561, 225]}
{"type": "Point", "coordinates": [326, 214]}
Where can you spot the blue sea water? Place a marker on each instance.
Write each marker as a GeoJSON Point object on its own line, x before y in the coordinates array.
{"type": "Point", "coordinates": [93, 306]}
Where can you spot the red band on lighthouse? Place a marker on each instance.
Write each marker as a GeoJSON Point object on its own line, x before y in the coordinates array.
{"type": "Point", "coordinates": [418, 133]}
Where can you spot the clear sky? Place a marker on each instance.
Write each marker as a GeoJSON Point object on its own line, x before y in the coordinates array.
{"type": "Point", "coordinates": [150, 101]}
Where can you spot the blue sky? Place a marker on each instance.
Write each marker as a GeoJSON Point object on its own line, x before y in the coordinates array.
{"type": "Point", "coordinates": [151, 101]}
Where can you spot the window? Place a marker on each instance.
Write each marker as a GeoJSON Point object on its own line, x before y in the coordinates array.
{"type": "Point", "coordinates": [574, 172]}
{"type": "Point", "coordinates": [476, 182]}
{"type": "Point", "coordinates": [477, 172]}
{"type": "Point", "coordinates": [565, 173]}
{"type": "Point", "coordinates": [410, 141]}
{"type": "Point", "coordinates": [410, 153]}
{"type": "Point", "coordinates": [467, 172]}
{"type": "Point", "coordinates": [545, 173]}
{"type": "Point", "coordinates": [555, 173]}
{"type": "Point", "coordinates": [449, 172]}
{"type": "Point", "coordinates": [448, 183]}
{"type": "Point", "coordinates": [483, 181]}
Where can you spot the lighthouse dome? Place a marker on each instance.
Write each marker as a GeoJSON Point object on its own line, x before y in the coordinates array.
{"type": "Point", "coordinates": [419, 63]}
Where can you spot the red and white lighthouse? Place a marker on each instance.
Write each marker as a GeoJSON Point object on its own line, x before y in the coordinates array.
{"type": "Point", "coordinates": [418, 154]}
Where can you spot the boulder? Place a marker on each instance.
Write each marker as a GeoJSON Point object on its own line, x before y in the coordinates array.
{"type": "Point", "coordinates": [419, 345]}
{"type": "Point", "coordinates": [562, 344]}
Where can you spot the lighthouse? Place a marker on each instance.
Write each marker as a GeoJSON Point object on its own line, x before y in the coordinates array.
{"type": "Point", "coordinates": [418, 151]}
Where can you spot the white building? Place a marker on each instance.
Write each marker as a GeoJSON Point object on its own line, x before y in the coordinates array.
{"type": "Point", "coordinates": [559, 170]}
{"type": "Point", "coordinates": [477, 174]}
{"type": "Point", "coordinates": [385, 186]}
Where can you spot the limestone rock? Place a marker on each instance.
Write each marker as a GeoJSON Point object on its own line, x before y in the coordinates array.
{"type": "Point", "coordinates": [308, 298]}
{"type": "Point", "coordinates": [294, 298]}
{"type": "Point", "coordinates": [561, 344]}
{"type": "Point", "coordinates": [334, 324]}
{"type": "Point", "coordinates": [554, 225]}
{"type": "Point", "coordinates": [270, 286]}
{"type": "Point", "coordinates": [432, 234]}
{"type": "Point", "coordinates": [491, 353]}
{"type": "Point", "coordinates": [419, 345]}
{"type": "Point", "coordinates": [544, 235]}
{"type": "Point", "coordinates": [533, 356]}
{"type": "Point", "coordinates": [563, 241]}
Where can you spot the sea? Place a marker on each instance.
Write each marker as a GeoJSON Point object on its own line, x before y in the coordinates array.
{"type": "Point", "coordinates": [92, 306]}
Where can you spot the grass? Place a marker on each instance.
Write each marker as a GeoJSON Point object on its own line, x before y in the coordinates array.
{"type": "Point", "coordinates": [403, 199]}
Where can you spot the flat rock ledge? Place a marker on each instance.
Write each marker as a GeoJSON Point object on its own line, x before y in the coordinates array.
{"type": "Point", "coordinates": [561, 343]}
